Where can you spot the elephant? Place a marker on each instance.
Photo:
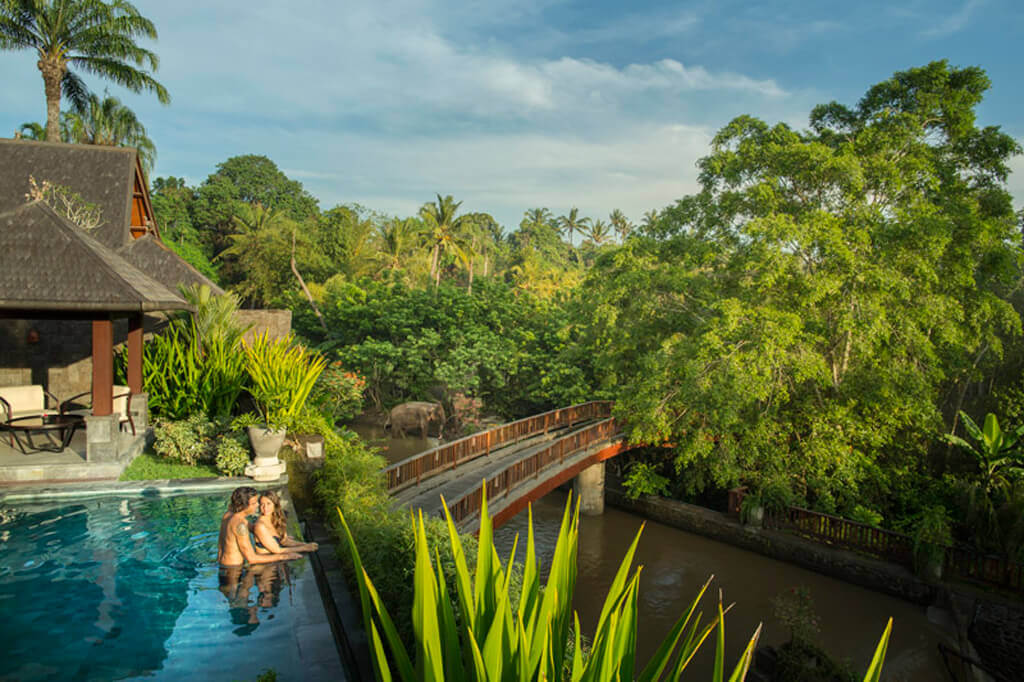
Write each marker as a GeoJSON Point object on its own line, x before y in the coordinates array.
{"type": "Point", "coordinates": [418, 417]}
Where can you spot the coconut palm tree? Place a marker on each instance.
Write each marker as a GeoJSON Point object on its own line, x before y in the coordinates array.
{"type": "Point", "coordinates": [620, 224]}
{"type": "Point", "coordinates": [397, 237]}
{"type": "Point", "coordinates": [572, 223]}
{"type": "Point", "coordinates": [108, 122]}
{"type": "Point", "coordinates": [92, 36]}
{"type": "Point", "coordinates": [33, 130]}
{"type": "Point", "coordinates": [650, 218]}
{"type": "Point", "coordinates": [443, 232]}
{"type": "Point", "coordinates": [598, 232]}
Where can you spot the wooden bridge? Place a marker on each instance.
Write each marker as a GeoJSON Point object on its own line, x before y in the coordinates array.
{"type": "Point", "coordinates": [520, 462]}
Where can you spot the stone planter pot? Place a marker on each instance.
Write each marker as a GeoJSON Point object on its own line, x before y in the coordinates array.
{"type": "Point", "coordinates": [755, 517]}
{"type": "Point", "coordinates": [266, 443]}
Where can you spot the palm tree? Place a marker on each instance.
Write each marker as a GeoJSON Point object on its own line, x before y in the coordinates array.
{"type": "Point", "coordinates": [443, 230]}
{"type": "Point", "coordinates": [572, 223]}
{"type": "Point", "coordinates": [621, 224]}
{"type": "Point", "coordinates": [108, 122]}
{"type": "Point", "coordinates": [537, 217]}
{"type": "Point", "coordinates": [599, 232]}
{"type": "Point", "coordinates": [88, 35]}
{"type": "Point", "coordinates": [397, 237]}
{"type": "Point", "coordinates": [650, 218]}
{"type": "Point", "coordinates": [32, 130]}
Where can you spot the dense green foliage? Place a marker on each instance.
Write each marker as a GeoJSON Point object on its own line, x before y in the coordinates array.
{"type": "Point", "coordinates": [815, 312]}
{"type": "Point", "coordinates": [515, 351]}
{"type": "Point", "coordinates": [350, 480]}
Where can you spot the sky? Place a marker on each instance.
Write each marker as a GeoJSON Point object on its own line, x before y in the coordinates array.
{"type": "Point", "coordinates": [514, 104]}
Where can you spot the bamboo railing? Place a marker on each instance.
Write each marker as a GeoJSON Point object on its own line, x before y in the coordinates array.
{"type": "Point", "coordinates": [413, 470]}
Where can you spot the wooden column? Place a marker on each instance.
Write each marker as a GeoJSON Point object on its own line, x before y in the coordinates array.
{"type": "Point", "coordinates": [102, 366]}
{"type": "Point", "coordinates": [135, 353]}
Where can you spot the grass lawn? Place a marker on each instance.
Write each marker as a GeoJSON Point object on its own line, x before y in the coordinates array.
{"type": "Point", "coordinates": [149, 466]}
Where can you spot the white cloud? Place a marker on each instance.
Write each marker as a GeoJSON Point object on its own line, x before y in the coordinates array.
{"type": "Point", "coordinates": [387, 103]}
{"type": "Point", "coordinates": [954, 22]}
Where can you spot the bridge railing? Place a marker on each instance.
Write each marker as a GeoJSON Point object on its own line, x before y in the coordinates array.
{"type": "Point", "coordinates": [530, 468]}
{"type": "Point", "coordinates": [431, 462]}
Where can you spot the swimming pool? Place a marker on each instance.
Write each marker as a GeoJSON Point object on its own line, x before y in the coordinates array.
{"type": "Point", "coordinates": [122, 588]}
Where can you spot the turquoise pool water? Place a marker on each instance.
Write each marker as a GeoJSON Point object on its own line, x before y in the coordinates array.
{"type": "Point", "coordinates": [111, 589]}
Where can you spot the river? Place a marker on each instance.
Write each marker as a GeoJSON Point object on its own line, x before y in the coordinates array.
{"type": "Point", "coordinates": [676, 564]}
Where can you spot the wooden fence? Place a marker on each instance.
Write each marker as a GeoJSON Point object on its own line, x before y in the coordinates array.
{"type": "Point", "coordinates": [531, 467]}
{"type": "Point", "coordinates": [431, 462]}
{"type": "Point", "coordinates": [960, 563]}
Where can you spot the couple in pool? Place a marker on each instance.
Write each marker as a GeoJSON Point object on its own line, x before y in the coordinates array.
{"type": "Point", "coordinates": [270, 541]}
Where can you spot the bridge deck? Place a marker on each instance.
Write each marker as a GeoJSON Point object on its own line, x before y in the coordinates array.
{"type": "Point", "coordinates": [455, 483]}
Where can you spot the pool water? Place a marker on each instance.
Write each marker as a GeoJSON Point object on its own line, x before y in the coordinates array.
{"type": "Point", "coordinates": [111, 589]}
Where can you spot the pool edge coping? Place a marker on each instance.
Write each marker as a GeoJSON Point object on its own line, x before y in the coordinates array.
{"type": "Point", "coordinates": [143, 488]}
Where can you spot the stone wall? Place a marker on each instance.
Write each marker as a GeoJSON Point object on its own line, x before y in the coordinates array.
{"type": "Point", "coordinates": [853, 568]}
{"type": "Point", "coordinates": [54, 353]}
{"type": "Point", "coordinates": [58, 353]}
{"type": "Point", "coordinates": [277, 323]}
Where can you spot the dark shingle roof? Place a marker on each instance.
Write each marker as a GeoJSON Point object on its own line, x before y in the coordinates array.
{"type": "Point", "coordinates": [101, 175]}
{"type": "Point", "coordinates": [155, 259]}
{"type": "Point", "coordinates": [47, 263]}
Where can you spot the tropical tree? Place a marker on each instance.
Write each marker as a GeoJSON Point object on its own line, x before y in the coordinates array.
{"type": "Point", "coordinates": [598, 232]}
{"type": "Point", "coordinates": [825, 299]}
{"type": "Point", "coordinates": [620, 223]}
{"type": "Point", "coordinates": [109, 122]}
{"type": "Point", "coordinates": [397, 237]}
{"type": "Point", "coordinates": [442, 232]}
{"type": "Point", "coordinates": [650, 219]}
{"type": "Point", "coordinates": [92, 36]}
{"type": "Point", "coordinates": [32, 131]}
{"type": "Point", "coordinates": [572, 223]}
{"type": "Point", "coordinates": [478, 230]}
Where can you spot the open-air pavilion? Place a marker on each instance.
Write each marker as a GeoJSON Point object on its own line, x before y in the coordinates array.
{"type": "Point", "coordinates": [52, 270]}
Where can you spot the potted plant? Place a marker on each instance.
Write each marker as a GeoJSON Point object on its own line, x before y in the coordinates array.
{"type": "Point", "coordinates": [281, 374]}
{"type": "Point", "coordinates": [752, 509]}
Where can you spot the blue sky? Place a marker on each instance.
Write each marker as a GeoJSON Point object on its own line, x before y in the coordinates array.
{"type": "Point", "coordinates": [522, 103]}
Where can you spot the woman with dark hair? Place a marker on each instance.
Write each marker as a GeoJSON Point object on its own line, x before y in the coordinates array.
{"type": "Point", "coordinates": [234, 547]}
{"type": "Point", "coordinates": [271, 529]}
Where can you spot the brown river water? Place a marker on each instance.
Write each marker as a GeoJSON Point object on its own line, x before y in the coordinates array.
{"type": "Point", "coordinates": [677, 563]}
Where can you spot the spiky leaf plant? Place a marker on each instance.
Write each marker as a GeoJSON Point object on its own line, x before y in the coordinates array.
{"type": "Point", "coordinates": [482, 636]}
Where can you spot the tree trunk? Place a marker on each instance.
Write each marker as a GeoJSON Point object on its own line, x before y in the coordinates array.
{"type": "Point", "coordinates": [434, 259]}
{"type": "Point", "coordinates": [305, 289]}
{"type": "Point", "coordinates": [53, 73]}
{"type": "Point", "coordinates": [470, 289]}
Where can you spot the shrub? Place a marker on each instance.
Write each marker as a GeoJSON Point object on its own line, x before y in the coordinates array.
{"type": "Point", "coordinates": [870, 517]}
{"type": "Point", "coordinates": [232, 455]}
{"type": "Point", "coordinates": [644, 479]}
{"type": "Point", "coordinates": [183, 378]}
{"type": "Point", "coordinates": [338, 394]}
{"type": "Point", "coordinates": [187, 441]}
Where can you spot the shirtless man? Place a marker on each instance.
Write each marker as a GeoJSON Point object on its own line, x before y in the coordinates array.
{"type": "Point", "coordinates": [234, 546]}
